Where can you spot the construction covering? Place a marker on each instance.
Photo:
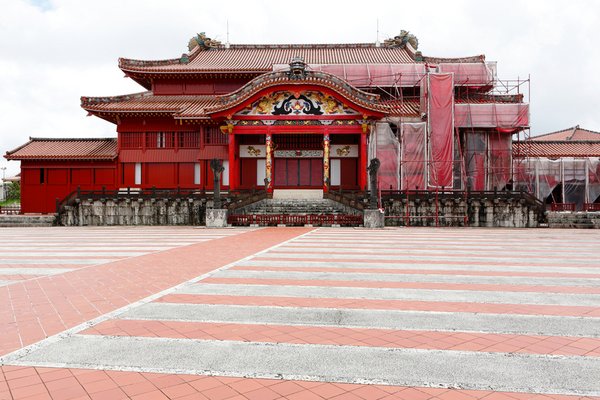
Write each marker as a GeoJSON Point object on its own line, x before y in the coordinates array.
{"type": "Point", "coordinates": [413, 155]}
{"type": "Point", "coordinates": [370, 75]}
{"type": "Point", "coordinates": [566, 180]}
{"type": "Point", "coordinates": [500, 147]}
{"type": "Point", "coordinates": [388, 152]}
{"type": "Point", "coordinates": [471, 74]}
{"type": "Point", "coordinates": [504, 117]}
{"type": "Point", "coordinates": [441, 129]}
{"type": "Point", "coordinates": [593, 165]}
{"type": "Point", "coordinates": [476, 159]}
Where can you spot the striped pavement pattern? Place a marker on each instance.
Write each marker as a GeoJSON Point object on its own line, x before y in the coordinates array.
{"type": "Point", "coordinates": [450, 313]}
{"type": "Point", "coordinates": [28, 253]}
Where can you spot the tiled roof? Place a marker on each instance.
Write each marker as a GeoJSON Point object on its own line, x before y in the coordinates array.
{"type": "Point", "coordinates": [405, 107]}
{"type": "Point", "coordinates": [196, 106]}
{"type": "Point", "coordinates": [146, 102]}
{"type": "Point", "coordinates": [65, 149]}
{"type": "Point", "coordinates": [556, 148]}
{"type": "Point", "coordinates": [574, 133]}
{"type": "Point", "coordinates": [479, 98]}
{"type": "Point", "coordinates": [260, 58]}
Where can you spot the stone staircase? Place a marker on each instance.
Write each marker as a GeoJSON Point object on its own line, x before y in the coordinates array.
{"type": "Point", "coordinates": [579, 220]}
{"type": "Point", "coordinates": [26, 220]}
{"type": "Point", "coordinates": [297, 207]}
{"type": "Point", "coordinates": [316, 212]}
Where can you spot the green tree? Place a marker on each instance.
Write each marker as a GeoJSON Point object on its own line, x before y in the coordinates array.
{"type": "Point", "coordinates": [14, 191]}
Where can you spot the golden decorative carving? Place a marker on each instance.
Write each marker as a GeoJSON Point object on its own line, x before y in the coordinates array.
{"type": "Point", "coordinates": [344, 151]}
{"type": "Point", "coordinates": [254, 151]}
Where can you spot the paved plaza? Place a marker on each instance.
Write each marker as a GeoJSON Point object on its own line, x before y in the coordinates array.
{"type": "Point", "coordinates": [299, 313]}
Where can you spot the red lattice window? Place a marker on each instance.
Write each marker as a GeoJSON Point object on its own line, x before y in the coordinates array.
{"type": "Point", "coordinates": [132, 140]}
{"type": "Point", "coordinates": [160, 140]}
{"type": "Point", "coordinates": [189, 140]}
{"type": "Point", "coordinates": [213, 135]}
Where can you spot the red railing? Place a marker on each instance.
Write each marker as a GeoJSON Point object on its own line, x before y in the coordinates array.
{"type": "Point", "coordinates": [591, 207]}
{"type": "Point", "coordinates": [10, 210]}
{"type": "Point", "coordinates": [295, 219]}
{"type": "Point", "coordinates": [563, 206]}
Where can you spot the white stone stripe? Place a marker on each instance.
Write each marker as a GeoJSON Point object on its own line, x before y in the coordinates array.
{"type": "Point", "coordinates": [33, 271]}
{"type": "Point", "coordinates": [99, 249]}
{"type": "Point", "coordinates": [6, 283]}
{"type": "Point", "coordinates": [379, 277]}
{"type": "Point", "coordinates": [69, 253]}
{"type": "Point", "coordinates": [370, 319]}
{"type": "Point", "coordinates": [426, 257]}
{"type": "Point", "coordinates": [46, 261]}
{"type": "Point", "coordinates": [328, 292]}
{"type": "Point", "coordinates": [442, 246]}
{"type": "Point", "coordinates": [395, 250]}
{"type": "Point", "coordinates": [463, 266]}
{"type": "Point", "coordinates": [405, 367]}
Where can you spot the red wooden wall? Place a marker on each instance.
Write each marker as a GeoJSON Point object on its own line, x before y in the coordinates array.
{"type": "Point", "coordinates": [43, 183]}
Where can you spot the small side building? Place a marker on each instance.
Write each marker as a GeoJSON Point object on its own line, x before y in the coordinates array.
{"type": "Point", "coordinates": [562, 168]}
{"type": "Point", "coordinates": [53, 168]}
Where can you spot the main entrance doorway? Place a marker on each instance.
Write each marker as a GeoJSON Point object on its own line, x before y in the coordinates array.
{"type": "Point", "coordinates": [298, 173]}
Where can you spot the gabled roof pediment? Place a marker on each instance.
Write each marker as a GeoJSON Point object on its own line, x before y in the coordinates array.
{"type": "Point", "coordinates": [321, 92]}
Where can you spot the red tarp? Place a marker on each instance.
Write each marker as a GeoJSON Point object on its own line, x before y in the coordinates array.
{"type": "Point", "coordinates": [500, 145]}
{"type": "Point", "coordinates": [470, 74]}
{"type": "Point", "coordinates": [441, 128]}
{"type": "Point", "coordinates": [363, 75]}
{"type": "Point", "coordinates": [413, 156]}
{"type": "Point", "coordinates": [504, 117]}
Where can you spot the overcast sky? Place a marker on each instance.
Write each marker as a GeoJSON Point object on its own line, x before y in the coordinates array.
{"type": "Point", "coordinates": [54, 51]}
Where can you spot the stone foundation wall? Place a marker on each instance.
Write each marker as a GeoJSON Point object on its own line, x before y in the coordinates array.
{"type": "Point", "coordinates": [452, 212]}
{"type": "Point", "coordinates": [191, 211]}
{"type": "Point", "coordinates": [581, 219]}
{"type": "Point", "coordinates": [181, 211]}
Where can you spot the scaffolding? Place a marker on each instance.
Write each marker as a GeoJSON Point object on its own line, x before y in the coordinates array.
{"type": "Point", "coordinates": [476, 154]}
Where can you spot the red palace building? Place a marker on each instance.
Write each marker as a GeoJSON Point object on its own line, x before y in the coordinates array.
{"type": "Point", "coordinates": [285, 117]}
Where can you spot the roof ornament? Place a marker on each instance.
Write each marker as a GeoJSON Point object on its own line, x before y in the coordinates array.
{"type": "Point", "coordinates": [203, 41]}
{"type": "Point", "coordinates": [401, 40]}
{"type": "Point", "coordinates": [297, 68]}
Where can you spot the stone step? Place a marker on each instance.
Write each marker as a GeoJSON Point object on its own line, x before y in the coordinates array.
{"type": "Point", "coordinates": [295, 207]}
{"type": "Point", "coordinates": [26, 220]}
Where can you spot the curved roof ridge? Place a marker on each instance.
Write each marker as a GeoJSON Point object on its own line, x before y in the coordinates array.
{"type": "Point", "coordinates": [66, 139]}
{"type": "Point", "coordinates": [552, 133]}
{"type": "Point", "coordinates": [480, 58]}
{"type": "Point", "coordinates": [365, 99]}
{"type": "Point", "coordinates": [91, 100]}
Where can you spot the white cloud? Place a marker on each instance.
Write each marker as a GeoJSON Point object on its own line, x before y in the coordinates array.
{"type": "Point", "coordinates": [54, 51]}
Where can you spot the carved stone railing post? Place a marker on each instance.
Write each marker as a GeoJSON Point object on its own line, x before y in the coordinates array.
{"type": "Point", "coordinates": [373, 169]}
{"type": "Point", "coordinates": [373, 217]}
{"type": "Point", "coordinates": [217, 167]}
{"type": "Point", "coordinates": [216, 217]}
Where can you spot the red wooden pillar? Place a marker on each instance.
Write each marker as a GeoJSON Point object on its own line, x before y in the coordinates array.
{"type": "Point", "coordinates": [233, 167]}
{"type": "Point", "coordinates": [326, 143]}
{"type": "Point", "coordinates": [269, 162]}
{"type": "Point", "coordinates": [362, 162]}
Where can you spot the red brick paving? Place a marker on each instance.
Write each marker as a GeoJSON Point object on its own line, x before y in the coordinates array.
{"type": "Point", "coordinates": [35, 309]}
{"type": "Point", "coordinates": [48, 305]}
{"type": "Point", "coordinates": [463, 341]}
{"type": "Point", "coordinates": [29, 383]}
